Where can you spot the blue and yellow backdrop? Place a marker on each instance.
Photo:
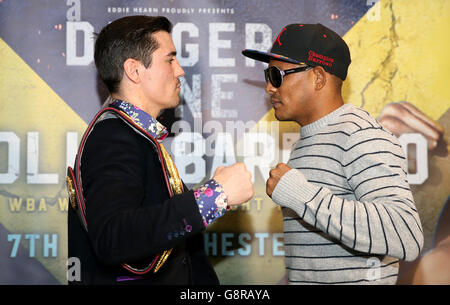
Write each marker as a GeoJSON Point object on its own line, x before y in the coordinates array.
{"type": "Point", "coordinates": [49, 91]}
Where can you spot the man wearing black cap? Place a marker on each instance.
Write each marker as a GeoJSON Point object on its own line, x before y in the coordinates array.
{"type": "Point", "coordinates": [348, 212]}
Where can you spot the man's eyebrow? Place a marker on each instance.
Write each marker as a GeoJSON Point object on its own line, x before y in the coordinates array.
{"type": "Point", "coordinates": [173, 53]}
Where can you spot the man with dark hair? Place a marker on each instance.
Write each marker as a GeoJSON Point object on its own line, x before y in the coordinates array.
{"type": "Point", "coordinates": [132, 219]}
{"type": "Point", "coordinates": [128, 37]}
{"type": "Point", "coordinates": [348, 212]}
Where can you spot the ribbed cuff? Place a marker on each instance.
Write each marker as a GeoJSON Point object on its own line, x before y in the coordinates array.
{"type": "Point", "coordinates": [293, 190]}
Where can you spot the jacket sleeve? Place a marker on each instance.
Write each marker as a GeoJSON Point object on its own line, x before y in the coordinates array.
{"type": "Point", "coordinates": [121, 226]}
{"type": "Point", "coordinates": [383, 219]}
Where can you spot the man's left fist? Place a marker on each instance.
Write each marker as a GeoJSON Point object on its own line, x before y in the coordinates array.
{"type": "Point", "coordinates": [275, 175]}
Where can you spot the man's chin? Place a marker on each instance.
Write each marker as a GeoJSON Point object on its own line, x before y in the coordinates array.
{"type": "Point", "coordinates": [280, 117]}
{"type": "Point", "coordinates": [175, 103]}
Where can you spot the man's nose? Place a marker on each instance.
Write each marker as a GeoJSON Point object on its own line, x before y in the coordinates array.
{"type": "Point", "coordinates": [270, 89]}
{"type": "Point", "coordinates": [178, 70]}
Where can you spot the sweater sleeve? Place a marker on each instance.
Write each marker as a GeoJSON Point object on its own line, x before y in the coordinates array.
{"type": "Point", "coordinates": [382, 220]}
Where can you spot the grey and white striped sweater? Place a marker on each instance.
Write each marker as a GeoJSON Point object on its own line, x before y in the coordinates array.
{"type": "Point", "coordinates": [348, 212]}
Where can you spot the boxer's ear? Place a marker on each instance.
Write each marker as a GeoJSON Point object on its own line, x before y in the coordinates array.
{"type": "Point", "coordinates": [320, 77]}
{"type": "Point", "coordinates": [131, 69]}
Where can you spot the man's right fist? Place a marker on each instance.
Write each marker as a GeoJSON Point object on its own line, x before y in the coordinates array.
{"type": "Point", "coordinates": [236, 181]}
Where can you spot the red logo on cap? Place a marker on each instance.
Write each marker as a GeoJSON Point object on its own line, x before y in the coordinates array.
{"type": "Point", "coordinates": [278, 38]}
{"type": "Point", "coordinates": [320, 59]}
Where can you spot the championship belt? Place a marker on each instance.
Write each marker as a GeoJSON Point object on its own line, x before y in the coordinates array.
{"type": "Point", "coordinates": [171, 175]}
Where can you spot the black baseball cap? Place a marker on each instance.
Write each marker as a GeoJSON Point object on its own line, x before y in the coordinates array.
{"type": "Point", "coordinates": [308, 44]}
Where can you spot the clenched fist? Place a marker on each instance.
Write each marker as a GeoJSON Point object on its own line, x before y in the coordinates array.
{"type": "Point", "coordinates": [403, 117]}
{"type": "Point", "coordinates": [236, 181]}
{"type": "Point", "coordinates": [275, 175]}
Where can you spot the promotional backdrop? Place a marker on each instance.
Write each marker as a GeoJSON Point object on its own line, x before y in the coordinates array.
{"type": "Point", "coordinates": [49, 91]}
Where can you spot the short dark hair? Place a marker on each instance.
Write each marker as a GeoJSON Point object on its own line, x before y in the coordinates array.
{"type": "Point", "coordinates": [127, 37]}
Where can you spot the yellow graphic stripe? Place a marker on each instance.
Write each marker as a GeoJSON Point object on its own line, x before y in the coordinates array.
{"type": "Point", "coordinates": [28, 104]}
{"type": "Point", "coordinates": [400, 56]}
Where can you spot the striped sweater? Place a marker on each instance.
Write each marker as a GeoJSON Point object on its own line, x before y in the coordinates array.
{"type": "Point", "coordinates": [348, 212]}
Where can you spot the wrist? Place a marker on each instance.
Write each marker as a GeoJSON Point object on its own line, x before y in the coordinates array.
{"type": "Point", "coordinates": [212, 201]}
{"type": "Point", "coordinates": [293, 188]}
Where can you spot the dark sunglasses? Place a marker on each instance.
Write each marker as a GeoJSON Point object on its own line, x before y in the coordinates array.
{"type": "Point", "coordinates": [275, 75]}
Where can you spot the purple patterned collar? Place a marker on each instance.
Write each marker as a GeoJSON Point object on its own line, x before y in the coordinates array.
{"type": "Point", "coordinates": [143, 119]}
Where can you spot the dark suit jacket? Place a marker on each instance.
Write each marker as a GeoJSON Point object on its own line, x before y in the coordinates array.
{"type": "Point", "coordinates": [130, 216]}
